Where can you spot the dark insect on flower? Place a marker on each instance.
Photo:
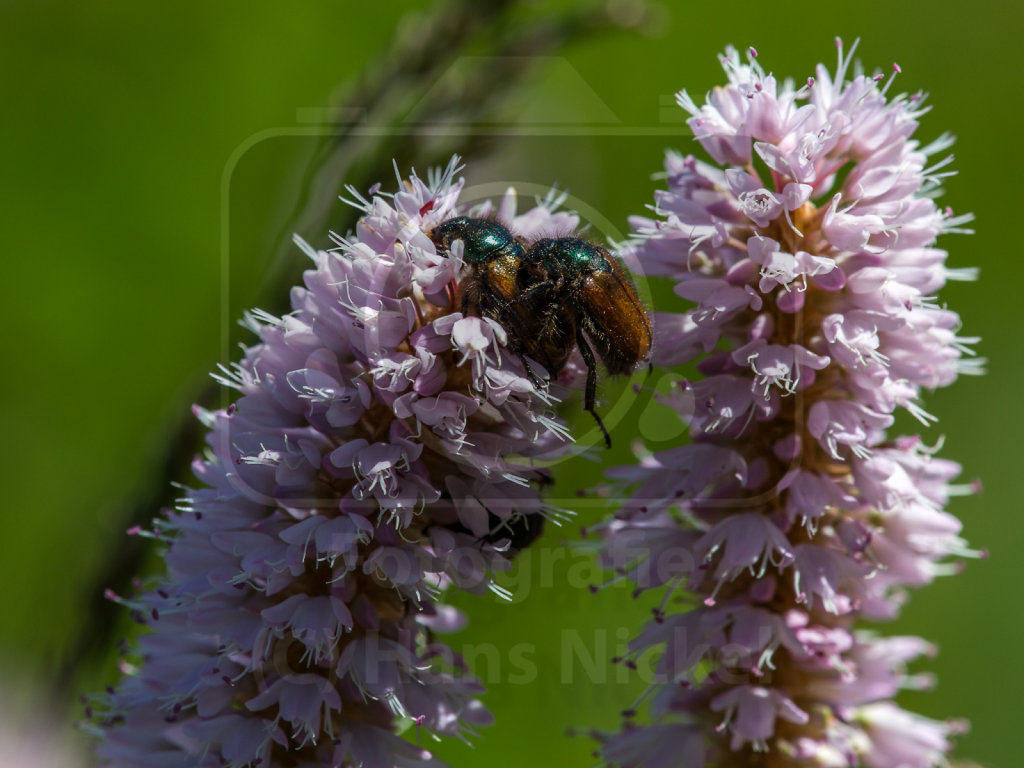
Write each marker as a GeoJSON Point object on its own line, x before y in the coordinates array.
{"type": "Point", "coordinates": [552, 296]}
{"type": "Point", "coordinates": [516, 533]}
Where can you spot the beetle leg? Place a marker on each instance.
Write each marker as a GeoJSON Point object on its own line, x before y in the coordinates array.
{"type": "Point", "coordinates": [526, 293]}
{"type": "Point", "coordinates": [590, 398]}
{"type": "Point", "coordinates": [532, 374]}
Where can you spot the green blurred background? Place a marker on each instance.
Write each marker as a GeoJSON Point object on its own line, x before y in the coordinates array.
{"type": "Point", "coordinates": [143, 143]}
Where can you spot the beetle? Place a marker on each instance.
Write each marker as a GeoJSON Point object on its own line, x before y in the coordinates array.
{"type": "Point", "coordinates": [585, 301]}
{"type": "Point", "coordinates": [552, 296]}
{"type": "Point", "coordinates": [494, 255]}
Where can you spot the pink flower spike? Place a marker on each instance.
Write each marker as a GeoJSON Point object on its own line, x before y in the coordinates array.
{"type": "Point", "coordinates": [381, 452]}
{"type": "Point", "coordinates": [804, 257]}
